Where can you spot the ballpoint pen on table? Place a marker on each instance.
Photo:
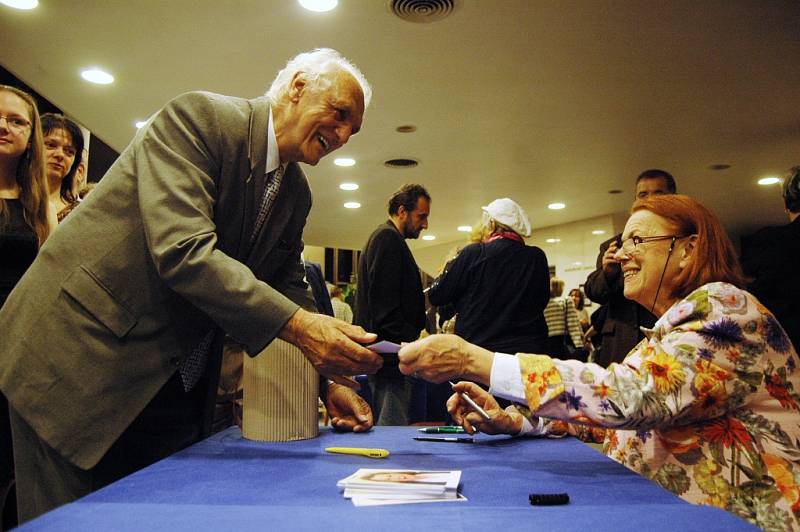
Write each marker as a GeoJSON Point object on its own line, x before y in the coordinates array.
{"type": "Point", "coordinates": [448, 429]}
{"type": "Point", "coordinates": [473, 404]}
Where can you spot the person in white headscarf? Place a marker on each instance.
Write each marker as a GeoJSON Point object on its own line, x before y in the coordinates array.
{"type": "Point", "coordinates": [499, 287]}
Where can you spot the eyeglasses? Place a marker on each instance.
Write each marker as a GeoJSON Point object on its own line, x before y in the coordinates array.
{"type": "Point", "coordinates": [630, 245]}
{"type": "Point", "coordinates": [15, 123]}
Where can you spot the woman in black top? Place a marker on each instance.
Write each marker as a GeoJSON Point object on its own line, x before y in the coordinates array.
{"type": "Point", "coordinates": [25, 217]}
{"type": "Point", "coordinates": [499, 287]}
{"type": "Point", "coordinates": [25, 222]}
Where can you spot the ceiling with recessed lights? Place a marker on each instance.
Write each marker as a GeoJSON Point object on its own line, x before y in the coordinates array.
{"type": "Point", "coordinates": [541, 101]}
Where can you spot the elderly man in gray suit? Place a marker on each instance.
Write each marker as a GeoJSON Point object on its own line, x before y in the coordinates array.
{"type": "Point", "coordinates": [110, 345]}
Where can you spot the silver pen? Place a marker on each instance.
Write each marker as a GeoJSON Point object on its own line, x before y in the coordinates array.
{"type": "Point", "coordinates": [472, 403]}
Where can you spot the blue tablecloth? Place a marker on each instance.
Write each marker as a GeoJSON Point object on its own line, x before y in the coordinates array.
{"type": "Point", "coordinates": [229, 483]}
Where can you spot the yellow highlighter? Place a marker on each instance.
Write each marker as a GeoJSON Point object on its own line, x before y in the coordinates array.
{"type": "Point", "coordinates": [371, 453]}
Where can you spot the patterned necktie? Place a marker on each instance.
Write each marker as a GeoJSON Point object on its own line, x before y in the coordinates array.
{"type": "Point", "coordinates": [191, 368]}
{"type": "Point", "coordinates": [267, 200]}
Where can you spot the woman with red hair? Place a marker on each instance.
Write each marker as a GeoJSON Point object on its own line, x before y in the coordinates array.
{"type": "Point", "coordinates": [706, 405]}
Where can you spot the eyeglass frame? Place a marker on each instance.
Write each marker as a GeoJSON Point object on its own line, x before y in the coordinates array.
{"type": "Point", "coordinates": [645, 239]}
{"type": "Point", "coordinates": [11, 126]}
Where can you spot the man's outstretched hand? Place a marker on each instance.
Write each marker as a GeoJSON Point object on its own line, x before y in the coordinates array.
{"type": "Point", "coordinates": [332, 346]}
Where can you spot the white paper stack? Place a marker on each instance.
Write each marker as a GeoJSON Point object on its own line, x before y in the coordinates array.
{"type": "Point", "coordinates": [369, 487]}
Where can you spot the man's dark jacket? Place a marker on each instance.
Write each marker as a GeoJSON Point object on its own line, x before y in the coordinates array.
{"type": "Point", "coordinates": [771, 257]}
{"type": "Point", "coordinates": [620, 330]}
{"type": "Point", "coordinates": [389, 298]}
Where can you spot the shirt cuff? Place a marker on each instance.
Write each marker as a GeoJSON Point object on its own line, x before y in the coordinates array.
{"type": "Point", "coordinates": [528, 429]}
{"type": "Point", "coordinates": [506, 379]}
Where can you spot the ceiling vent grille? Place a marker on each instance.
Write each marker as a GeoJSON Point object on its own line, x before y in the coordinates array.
{"type": "Point", "coordinates": [401, 163]}
{"type": "Point", "coordinates": [423, 10]}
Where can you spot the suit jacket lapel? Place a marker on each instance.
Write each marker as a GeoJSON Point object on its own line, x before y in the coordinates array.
{"type": "Point", "coordinates": [256, 179]}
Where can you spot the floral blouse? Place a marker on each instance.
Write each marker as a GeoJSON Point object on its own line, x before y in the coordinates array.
{"type": "Point", "coordinates": [706, 405]}
{"type": "Point", "coordinates": [66, 210]}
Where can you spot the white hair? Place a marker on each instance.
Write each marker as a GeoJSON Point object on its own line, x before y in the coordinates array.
{"type": "Point", "coordinates": [487, 221]}
{"type": "Point", "coordinates": [313, 64]}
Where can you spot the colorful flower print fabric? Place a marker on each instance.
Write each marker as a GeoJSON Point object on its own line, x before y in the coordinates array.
{"type": "Point", "coordinates": [707, 405]}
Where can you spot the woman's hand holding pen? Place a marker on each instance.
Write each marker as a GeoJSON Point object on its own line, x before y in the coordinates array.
{"type": "Point", "coordinates": [502, 421]}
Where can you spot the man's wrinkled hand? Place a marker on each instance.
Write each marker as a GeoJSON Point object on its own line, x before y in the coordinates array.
{"type": "Point", "coordinates": [348, 410]}
{"type": "Point", "coordinates": [442, 357]}
{"type": "Point", "coordinates": [332, 346]}
{"type": "Point", "coordinates": [436, 358]}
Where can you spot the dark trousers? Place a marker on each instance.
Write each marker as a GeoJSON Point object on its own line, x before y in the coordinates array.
{"type": "Point", "coordinates": [171, 421]}
{"type": "Point", "coordinates": [391, 399]}
{"type": "Point", "coordinates": [556, 347]}
{"type": "Point", "coordinates": [8, 500]}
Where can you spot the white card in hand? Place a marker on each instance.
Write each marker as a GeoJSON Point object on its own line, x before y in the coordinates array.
{"type": "Point", "coordinates": [384, 347]}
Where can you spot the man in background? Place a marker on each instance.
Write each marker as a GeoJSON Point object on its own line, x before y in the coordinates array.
{"type": "Point", "coordinates": [389, 298]}
{"type": "Point", "coordinates": [621, 328]}
{"type": "Point", "coordinates": [771, 257]}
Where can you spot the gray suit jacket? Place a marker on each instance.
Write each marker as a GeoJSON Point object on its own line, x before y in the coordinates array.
{"type": "Point", "coordinates": [158, 255]}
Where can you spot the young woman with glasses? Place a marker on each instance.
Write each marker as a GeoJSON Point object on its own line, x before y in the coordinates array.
{"type": "Point", "coordinates": [25, 217]}
{"type": "Point", "coordinates": [25, 222]}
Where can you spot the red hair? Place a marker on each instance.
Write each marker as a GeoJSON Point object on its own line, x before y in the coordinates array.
{"type": "Point", "coordinates": [714, 257]}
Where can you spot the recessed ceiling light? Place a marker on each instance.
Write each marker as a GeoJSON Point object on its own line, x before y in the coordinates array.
{"type": "Point", "coordinates": [556, 206]}
{"type": "Point", "coordinates": [352, 205]}
{"type": "Point", "coordinates": [140, 123]}
{"type": "Point", "coordinates": [344, 161]}
{"type": "Point", "coordinates": [577, 263]}
{"type": "Point", "coordinates": [20, 4]}
{"type": "Point", "coordinates": [348, 186]}
{"type": "Point", "coordinates": [553, 240]}
{"type": "Point", "coordinates": [319, 6]}
{"type": "Point", "coordinates": [428, 237]}
{"type": "Point", "coordinates": [95, 75]}
{"type": "Point", "coordinates": [598, 232]}
{"type": "Point", "coordinates": [464, 228]}
{"type": "Point", "coordinates": [769, 180]}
